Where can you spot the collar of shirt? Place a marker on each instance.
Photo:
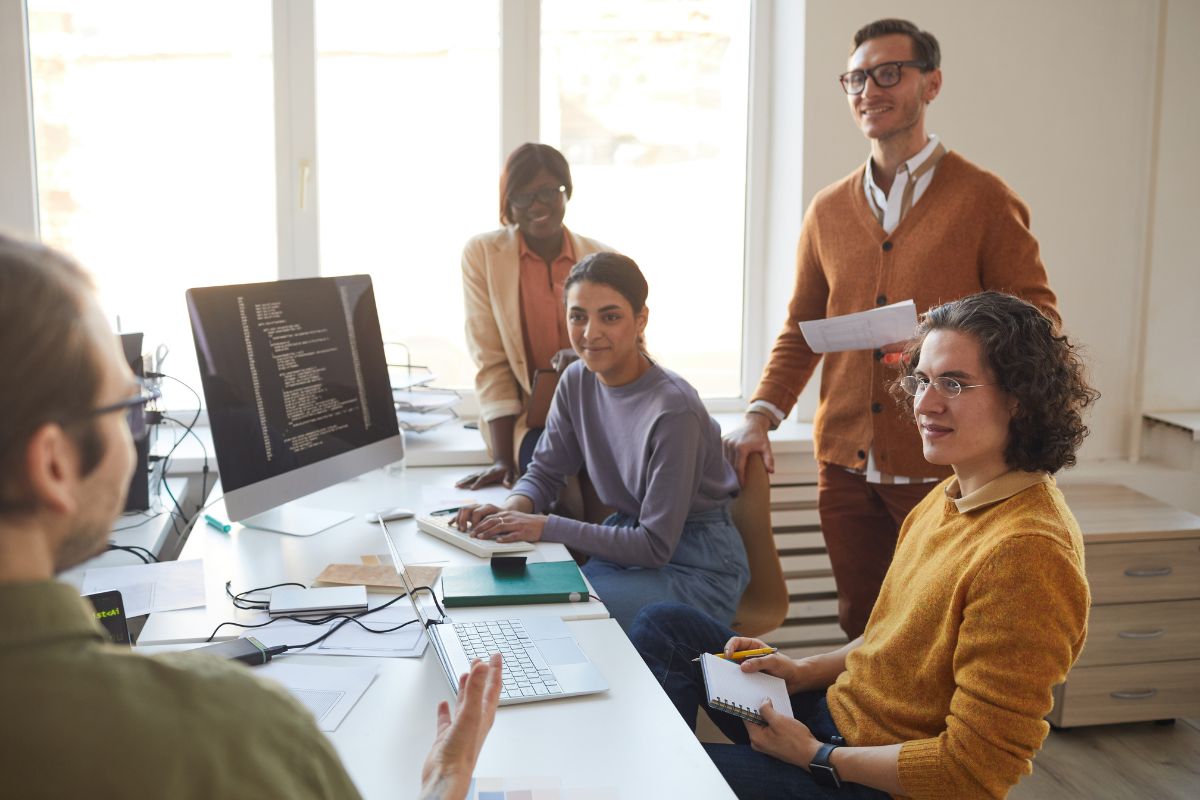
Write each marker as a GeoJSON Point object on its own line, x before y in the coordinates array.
{"type": "Point", "coordinates": [568, 251]}
{"type": "Point", "coordinates": [1002, 488]}
{"type": "Point", "coordinates": [876, 196]}
{"type": "Point", "coordinates": [42, 612]}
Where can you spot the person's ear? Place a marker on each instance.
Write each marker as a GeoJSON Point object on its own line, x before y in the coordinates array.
{"type": "Point", "coordinates": [933, 85]}
{"type": "Point", "coordinates": [52, 466]}
{"type": "Point", "coordinates": [643, 317]}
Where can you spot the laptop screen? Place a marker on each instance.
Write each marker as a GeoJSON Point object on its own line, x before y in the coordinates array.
{"type": "Point", "coordinates": [403, 572]}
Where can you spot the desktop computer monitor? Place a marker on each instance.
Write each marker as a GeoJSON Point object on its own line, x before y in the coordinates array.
{"type": "Point", "coordinates": [297, 391]}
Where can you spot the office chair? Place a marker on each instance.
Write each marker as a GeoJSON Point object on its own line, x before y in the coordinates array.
{"type": "Point", "coordinates": [764, 604]}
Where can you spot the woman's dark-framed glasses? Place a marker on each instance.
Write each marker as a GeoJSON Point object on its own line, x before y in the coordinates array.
{"type": "Point", "coordinates": [885, 75]}
{"type": "Point", "coordinates": [547, 196]}
{"type": "Point", "coordinates": [946, 387]}
{"type": "Point", "coordinates": [134, 408]}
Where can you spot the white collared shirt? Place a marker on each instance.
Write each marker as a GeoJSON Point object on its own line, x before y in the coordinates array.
{"type": "Point", "coordinates": [890, 202]}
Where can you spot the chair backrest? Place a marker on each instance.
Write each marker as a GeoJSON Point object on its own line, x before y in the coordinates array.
{"type": "Point", "coordinates": [764, 604]}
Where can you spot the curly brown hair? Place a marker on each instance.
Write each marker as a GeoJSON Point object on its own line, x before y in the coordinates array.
{"type": "Point", "coordinates": [1034, 363]}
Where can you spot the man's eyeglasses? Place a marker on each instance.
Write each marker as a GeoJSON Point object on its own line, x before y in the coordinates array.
{"type": "Point", "coordinates": [885, 75]}
{"type": "Point", "coordinates": [134, 408]}
{"type": "Point", "coordinates": [547, 196]}
{"type": "Point", "coordinates": [946, 387]}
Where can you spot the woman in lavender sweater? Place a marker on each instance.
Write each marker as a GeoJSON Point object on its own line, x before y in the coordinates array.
{"type": "Point", "coordinates": [652, 451]}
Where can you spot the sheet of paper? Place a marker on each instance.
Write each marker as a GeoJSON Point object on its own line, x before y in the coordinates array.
{"type": "Point", "coordinates": [351, 639]}
{"type": "Point", "coordinates": [434, 497]}
{"type": "Point", "coordinates": [328, 692]}
{"type": "Point", "coordinates": [419, 423]}
{"type": "Point", "coordinates": [535, 787]}
{"type": "Point", "coordinates": [150, 588]}
{"type": "Point", "coordinates": [423, 402]}
{"type": "Point", "coordinates": [865, 330]}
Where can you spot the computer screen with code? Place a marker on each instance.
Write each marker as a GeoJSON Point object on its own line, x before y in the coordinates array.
{"type": "Point", "coordinates": [293, 373]}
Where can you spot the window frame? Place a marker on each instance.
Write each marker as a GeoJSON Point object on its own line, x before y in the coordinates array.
{"type": "Point", "coordinates": [298, 170]}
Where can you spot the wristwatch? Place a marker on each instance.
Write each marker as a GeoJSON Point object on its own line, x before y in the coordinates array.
{"type": "Point", "coordinates": [824, 773]}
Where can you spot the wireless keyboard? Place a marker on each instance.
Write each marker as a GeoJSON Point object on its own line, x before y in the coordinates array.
{"type": "Point", "coordinates": [484, 548]}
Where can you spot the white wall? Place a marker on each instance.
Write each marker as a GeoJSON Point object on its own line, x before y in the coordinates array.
{"type": "Point", "coordinates": [18, 213]}
{"type": "Point", "coordinates": [1172, 357]}
{"type": "Point", "coordinates": [1058, 99]}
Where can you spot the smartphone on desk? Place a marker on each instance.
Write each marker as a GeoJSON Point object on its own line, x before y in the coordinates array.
{"type": "Point", "coordinates": [110, 612]}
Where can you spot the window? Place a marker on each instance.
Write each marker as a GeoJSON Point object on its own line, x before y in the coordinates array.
{"type": "Point", "coordinates": [408, 125]}
{"type": "Point", "coordinates": [647, 100]}
{"type": "Point", "coordinates": [154, 140]}
{"type": "Point", "coordinates": [163, 158]}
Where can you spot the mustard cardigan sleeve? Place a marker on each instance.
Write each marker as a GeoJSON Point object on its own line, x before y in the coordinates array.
{"type": "Point", "coordinates": [1022, 628]}
{"type": "Point", "coordinates": [496, 385]}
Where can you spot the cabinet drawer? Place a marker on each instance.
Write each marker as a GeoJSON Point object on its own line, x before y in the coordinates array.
{"type": "Point", "coordinates": [1129, 693]}
{"type": "Point", "coordinates": [1132, 572]}
{"type": "Point", "coordinates": [1131, 633]}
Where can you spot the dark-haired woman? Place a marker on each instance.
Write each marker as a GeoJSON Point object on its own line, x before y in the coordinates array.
{"type": "Point", "coordinates": [984, 608]}
{"type": "Point", "coordinates": [513, 288]}
{"type": "Point", "coordinates": [652, 452]}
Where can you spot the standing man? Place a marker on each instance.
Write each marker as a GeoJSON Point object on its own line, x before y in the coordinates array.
{"type": "Point", "coordinates": [85, 718]}
{"type": "Point", "coordinates": [916, 221]}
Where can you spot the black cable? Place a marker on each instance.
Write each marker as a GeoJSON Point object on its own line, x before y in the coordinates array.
{"type": "Point", "coordinates": [240, 601]}
{"type": "Point", "coordinates": [148, 558]}
{"type": "Point", "coordinates": [188, 428]}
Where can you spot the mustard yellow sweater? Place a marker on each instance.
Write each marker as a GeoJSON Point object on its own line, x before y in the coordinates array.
{"type": "Point", "coordinates": [983, 610]}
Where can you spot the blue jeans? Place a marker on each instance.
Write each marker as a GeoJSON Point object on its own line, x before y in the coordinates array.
{"type": "Point", "coordinates": [669, 636]}
{"type": "Point", "coordinates": [708, 570]}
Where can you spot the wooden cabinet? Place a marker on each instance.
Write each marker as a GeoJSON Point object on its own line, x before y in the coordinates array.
{"type": "Point", "coordinates": [1141, 660]}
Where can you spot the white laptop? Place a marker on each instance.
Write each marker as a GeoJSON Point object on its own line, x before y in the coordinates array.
{"type": "Point", "coordinates": [542, 660]}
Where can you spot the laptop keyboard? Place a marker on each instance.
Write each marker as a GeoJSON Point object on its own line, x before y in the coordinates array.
{"type": "Point", "coordinates": [525, 673]}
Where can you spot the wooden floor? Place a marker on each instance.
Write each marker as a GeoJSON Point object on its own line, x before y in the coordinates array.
{"type": "Point", "coordinates": [1135, 761]}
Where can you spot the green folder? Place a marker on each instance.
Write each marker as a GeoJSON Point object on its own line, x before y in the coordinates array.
{"type": "Point", "coordinates": [541, 582]}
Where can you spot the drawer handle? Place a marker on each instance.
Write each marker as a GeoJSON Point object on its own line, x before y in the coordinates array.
{"type": "Point", "coordinates": [1153, 572]}
{"type": "Point", "coordinates": [1154, 634]}
{"type": "Point", "coordinates": [1142, 695]}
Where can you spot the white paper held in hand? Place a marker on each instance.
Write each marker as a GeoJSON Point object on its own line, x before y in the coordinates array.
{"type": "Point", "coordinates": [864, 330]}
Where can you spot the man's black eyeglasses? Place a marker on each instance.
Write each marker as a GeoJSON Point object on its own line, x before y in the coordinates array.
{"type": "Point", "coordinates": [524, 200]}
{"type": "Point", "coordinates": [134, 408]}
{"type": "Point", "coordinates": [885, 75]}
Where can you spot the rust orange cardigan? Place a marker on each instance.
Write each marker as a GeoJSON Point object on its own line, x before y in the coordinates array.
{"type": "Point", "coordinates": [970, 232]}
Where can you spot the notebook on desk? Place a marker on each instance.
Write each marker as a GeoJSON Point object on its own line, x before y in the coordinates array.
{"type": "Point", "coordinates": [541, 582]}
{"type": "Point", "coordinates": [542, 660]}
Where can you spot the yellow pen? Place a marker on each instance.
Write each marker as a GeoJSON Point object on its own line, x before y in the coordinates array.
{"type": "Point", "coordinates": [741, 654]}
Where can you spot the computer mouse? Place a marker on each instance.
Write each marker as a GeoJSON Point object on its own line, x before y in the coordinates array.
{"type": "Point", "coordinates": [389, 514]}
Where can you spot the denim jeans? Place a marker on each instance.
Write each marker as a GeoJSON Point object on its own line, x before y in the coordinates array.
{"type": "Point", "coordinates": [669, 636]}
{"type": "Point", "coordinates": [708, 570]}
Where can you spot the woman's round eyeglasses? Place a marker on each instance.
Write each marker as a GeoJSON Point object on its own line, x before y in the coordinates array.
{"type": "Point", "coordinates": [946, 387]}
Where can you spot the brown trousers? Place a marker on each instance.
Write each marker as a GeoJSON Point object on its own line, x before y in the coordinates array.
{"type": "Point", "coordinates": [860, 522]}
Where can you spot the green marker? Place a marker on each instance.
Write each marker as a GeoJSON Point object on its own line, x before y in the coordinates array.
{"type": "Point", "coordinates": [223, 527]}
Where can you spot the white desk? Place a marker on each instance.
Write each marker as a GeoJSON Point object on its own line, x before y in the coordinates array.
{"type": "Point", "coordinates": [253, 558]}
{"type": "Point", "coordinates": [629, 739]}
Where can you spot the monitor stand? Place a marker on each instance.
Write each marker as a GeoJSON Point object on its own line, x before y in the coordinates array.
{"type": "Point", "coordinates": [297, 520]}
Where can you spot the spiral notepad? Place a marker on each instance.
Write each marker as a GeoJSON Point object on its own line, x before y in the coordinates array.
{"type": "Point", "coordinates": [742, 693]}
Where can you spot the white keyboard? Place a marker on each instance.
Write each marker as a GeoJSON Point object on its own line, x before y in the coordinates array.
{"type": "Point", "coordinates": [484, 548]}
{"type": "Point", "coordinates": [523, 676]}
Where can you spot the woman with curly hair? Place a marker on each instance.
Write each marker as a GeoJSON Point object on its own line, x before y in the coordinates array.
{"type": "Point", "coordinates": [983, 610]}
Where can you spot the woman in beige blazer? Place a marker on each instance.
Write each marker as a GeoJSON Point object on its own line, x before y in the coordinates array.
{"type": "Point", "coordinates": [512, 286]}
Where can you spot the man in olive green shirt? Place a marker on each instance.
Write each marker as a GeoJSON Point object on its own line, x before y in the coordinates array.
{"type": "Point", "coordinates": [84, 718]}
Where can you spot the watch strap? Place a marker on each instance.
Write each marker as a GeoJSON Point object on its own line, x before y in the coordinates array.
{"type": "Point", "coordinates": [824, 773]}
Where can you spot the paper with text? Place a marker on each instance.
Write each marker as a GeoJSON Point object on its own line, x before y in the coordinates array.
{"type": "Point", "coordinates": [864, 330]}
